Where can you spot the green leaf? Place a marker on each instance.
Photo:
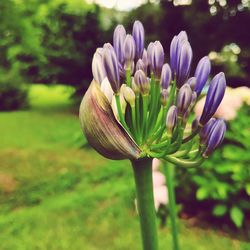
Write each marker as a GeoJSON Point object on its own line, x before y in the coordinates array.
{"type": "Point", "coordinates": [248, 188]}
{"type": "Point", "coordinates": [202, 193]}
{"type": "Point", "coordinates": [219, 210]}
{"type": "Point", "coordinates": [236, 216]}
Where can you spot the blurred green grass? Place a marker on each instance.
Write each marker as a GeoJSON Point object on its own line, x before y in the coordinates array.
{"type": "Point", "coordinates": [56, 195]}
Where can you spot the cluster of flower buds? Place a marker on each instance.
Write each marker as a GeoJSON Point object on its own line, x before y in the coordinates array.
{"type": "Point", "coordinates": [139, 106]}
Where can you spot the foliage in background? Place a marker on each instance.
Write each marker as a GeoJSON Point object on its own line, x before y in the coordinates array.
{"type": "Point", "coordinates": [13, 94]}
{"type": "Point", "coordinates": [222, 184]}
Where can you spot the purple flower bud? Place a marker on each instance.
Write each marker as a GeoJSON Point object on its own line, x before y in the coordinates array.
{"type": "Point", "coordinates": [138, 35]}
{"type": "Point", "coordinates": [156, 59]}
{"type": "Point", "coordinates": [140, 65]}
{"type": "Point", "coordinates": [142, 82]}
{"type": "Point", "coordinates": [171, 119]}
{"type": "Point", "coordinates": [164, 97]}
{"type": "Point", "coordinates": [183, 63]}
{"type": "Point", "coordinates": [192, 82]}
{"type": "Point", "coordinates": [118, 42]}
{"type": "Point", "coordinates": [145, 58]}
{"type": "Point", "coordinates": [129, 50]}
{"type": "Point", "coordinates": [195, 124]}
{"type": "Point", "coordinates": [175, 48]}
{"type": "Point", "coordinates": [98, 70]}
{"type": "Point", "coordinates": [184, 99]}
{"type": "Point", "coordinates": [149, 51]}
{"type": "Point", "coordinates": [201, 73]}
{"type": "Point", "coordinates": [216, 137]}
{"type": "Point", "coordinates": [214, 97]}
{"type": "Point", "coordinates": [165, 76]}
{"type": "Point", "coordinates": [204, 133]}
{"type": "Point", "coordinates": [111, 67]}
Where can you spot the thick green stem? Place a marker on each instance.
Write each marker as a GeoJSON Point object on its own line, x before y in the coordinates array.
{"type": "Point", "coordinates": [145, 200]}
{"type": "Point", "coordinates": [172, 204]}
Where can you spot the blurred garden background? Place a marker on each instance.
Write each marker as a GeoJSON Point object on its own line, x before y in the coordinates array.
{"type": "Point", "coordinates": [58, 193]}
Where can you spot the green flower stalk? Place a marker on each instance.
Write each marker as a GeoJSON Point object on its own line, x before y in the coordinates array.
{"type": "Point", "coordinates": [138, 108]}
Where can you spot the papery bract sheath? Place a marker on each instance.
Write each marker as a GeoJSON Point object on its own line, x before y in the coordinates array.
{"type": "Point", "coordinates": [165, 76]}
{"type": "Point", "coordinates": [201, 73]}
{"type": "Point", "coordinates": [138, 34]}
{"type": "Point", "coordinates": [216, 137]}
{"type": "Point", "coordinates": [184, 99]}
{"type": "Point", "coordinates": [111, 67]}
{"type": "Point", "coordinates": [118, 42]}
{"type": "Point", "coordinates": [171, 119]}
{"type": "Point", "coordinates": [214, 97]}
{"type": "Point", "coordinates": [103, 132]}
{"type": "Point", "coordinates": [156, 59]}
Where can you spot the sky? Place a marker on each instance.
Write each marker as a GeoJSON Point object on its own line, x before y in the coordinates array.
{"type": "Point", "coordinates": [124, 5]}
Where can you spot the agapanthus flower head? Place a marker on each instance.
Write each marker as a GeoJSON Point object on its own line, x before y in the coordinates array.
{"type": "Point", "coordinates": [148, 102]}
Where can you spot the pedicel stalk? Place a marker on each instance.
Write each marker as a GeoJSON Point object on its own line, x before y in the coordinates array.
{"type": "Point", "coordinates": [137, 107]}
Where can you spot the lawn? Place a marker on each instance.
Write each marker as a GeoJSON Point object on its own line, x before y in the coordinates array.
{"type": "Point", "coordinates": [57, 193]}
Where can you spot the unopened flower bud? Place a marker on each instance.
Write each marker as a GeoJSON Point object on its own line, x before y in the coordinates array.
{"type": "Point", "coordinates": [206, 129]}
{"type": "Point", "coordinates": [118, 42]}
{"type": "Point", "coordinates": [140, 65]}
{"type": "Point", "coordinates": [107, 90]}
{"type": "Point", "coordinates": [175, 49]}
{"type": "Point", "coordinates": [145, 60]}
{"type": "Point", "coordinates": [138, 35]}
{"type": "Point", "coordinates": [164, 97]}
{"type": "Point", "coordinates": [111, 67]}
{"type": "Point", "coordinates": [129, 96]}
{"type": "Point", "coordinates": [171, 119]}
{"type": "Point", "coordinates": [156, 59]}
{"type": "Point", "coordinates": [184, 99]}
{"type": "Point", "coordinates": [195, 124]}
{"type": "Point", "coordinates": [201, 73]}
{"type": "Point", "coordinates": [142, 82]}
{"type": "Point", "coordinates": [192, 82]}
{"type": "Point", "coordinates": [214, 97]}
{"type": "Point", "coordinates": [98, 70]}
{"type": "Point", "coordinates": [165, 76]}
{"type": "Point", "coordinates": [129, 51]}
{"type": "Point", "coordinates": [184, 63]}
{"type": "Point", "coordinates": [114, 105]}
{"type": "Point", "coordinates": [216, 137]}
